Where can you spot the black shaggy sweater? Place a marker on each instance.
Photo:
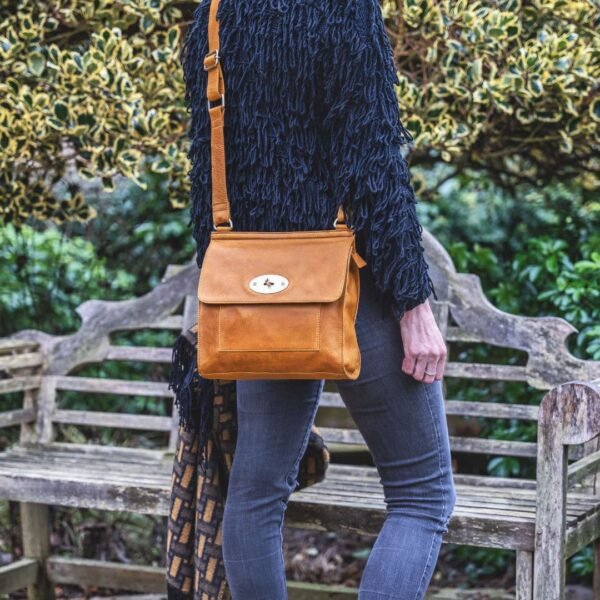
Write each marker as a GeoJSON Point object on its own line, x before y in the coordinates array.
{"type": "Point", "coordinates": [312, 120]}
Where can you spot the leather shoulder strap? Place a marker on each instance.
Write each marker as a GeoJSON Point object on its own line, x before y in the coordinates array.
{"type": "Point", "coordinates": [215, 92]}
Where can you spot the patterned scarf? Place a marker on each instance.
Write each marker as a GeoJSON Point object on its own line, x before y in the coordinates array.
{"type": "Point", "coordinates": [203, 459]}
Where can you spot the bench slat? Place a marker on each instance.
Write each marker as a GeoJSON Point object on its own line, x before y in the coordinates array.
{"type": "Point", "coordinates": [20, 361]}
{"type": "Point", "coordinates": [457, 444]}
{"type": "Point", "coordinates": [9, 345]}
{"type": "Point", "coordinates": [485, 371]}
{"type": "Point", "coordinates": [98, 385]}
{"type": "Point", "coordinates": [492, 410]}
{"type": "Point", "coordinates": [170, 322]}
{"type": "Point", "coordinates": [16, 417]}
{"type": "Point", "coordinates": [106, 453]}
{"type": "Point", "coordinates": [19, 384]}
{"type": "Point", "coordinates": [139, 353]}
{"type": "Point", "coordinates": [116, 420]}
{"type": "Point", "coordinates": [587, 465]}
{"type": "Point", "coordinates": [17, 575]}
{"type": "Point", "coordinates": [460, 408]}
{"type": "Point", "coordinates": [97, 573]}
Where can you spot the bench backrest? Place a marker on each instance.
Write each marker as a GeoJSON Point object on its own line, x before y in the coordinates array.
{"type": "Point", "coordinates": [60, 394]}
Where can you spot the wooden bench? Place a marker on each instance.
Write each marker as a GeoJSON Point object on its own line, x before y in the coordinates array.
{"type": "Point", "coordinates": [544, 519]}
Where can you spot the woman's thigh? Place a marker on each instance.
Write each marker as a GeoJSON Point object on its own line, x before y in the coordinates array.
{"type": "Point", "coordinates": [274, 421]}
{"type": "Point", "coordinates": [402, 420]}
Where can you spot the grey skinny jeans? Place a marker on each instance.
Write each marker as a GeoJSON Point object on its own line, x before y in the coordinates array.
{"type": "Point", "coordinates": [404, 425]}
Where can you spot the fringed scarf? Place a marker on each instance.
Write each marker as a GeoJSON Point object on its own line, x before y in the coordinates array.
{"type": "Point", "coordinates": [203, 458]}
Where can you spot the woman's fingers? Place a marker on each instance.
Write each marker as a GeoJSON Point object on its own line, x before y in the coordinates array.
{"type": "Point", "coordinates": [427, 367]}
{"type": "Point", "coordinates": [424, 348]}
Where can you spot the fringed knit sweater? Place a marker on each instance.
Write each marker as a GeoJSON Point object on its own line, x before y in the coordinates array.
{"type": "Point", "coordinates": [311, 120]}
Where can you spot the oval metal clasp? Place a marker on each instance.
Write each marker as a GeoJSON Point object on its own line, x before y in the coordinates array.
{"type": "Point", "coordinates": [269, 283]}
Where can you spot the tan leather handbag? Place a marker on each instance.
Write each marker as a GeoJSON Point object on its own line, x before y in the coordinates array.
{"type": "Point", "coordinates": [272, 305]}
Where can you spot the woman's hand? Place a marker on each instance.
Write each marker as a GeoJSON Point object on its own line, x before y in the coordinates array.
{"type": "Point", "coordinates": [424, 348]}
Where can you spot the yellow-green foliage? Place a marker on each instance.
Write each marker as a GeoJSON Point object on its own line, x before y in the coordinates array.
{"type": "Point", "coordinates": [95, 87]}
{"type": "Point", "coordinates": [512, 86]}
{"type": "Point", "coordinates": [94, 84]}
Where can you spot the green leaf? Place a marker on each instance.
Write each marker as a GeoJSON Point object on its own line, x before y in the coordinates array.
{"type": "Point", "coordinates": [147, 24]}
{"type": "Point", "coordinates": [61, 110]}
{"type": "Point", "coordinates": [36, 62]}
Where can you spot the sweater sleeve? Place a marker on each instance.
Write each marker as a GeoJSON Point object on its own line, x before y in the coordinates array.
{"type": "Point", "coordinates": [363, 136]}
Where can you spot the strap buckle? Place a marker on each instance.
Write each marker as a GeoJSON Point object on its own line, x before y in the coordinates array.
{"type": "Point", "coordinates": [221, 105]}
{"type": "Point", "coordinates": [228, 227]}
{"type": "Point", "coordinates": [213, 56]}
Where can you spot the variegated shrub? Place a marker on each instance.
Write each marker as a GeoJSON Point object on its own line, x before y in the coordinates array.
{"type": "Point", "coordinates": [94, 87]}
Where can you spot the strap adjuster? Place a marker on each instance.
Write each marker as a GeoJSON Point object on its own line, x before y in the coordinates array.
{"type": "Point", "coordinates": [227, 226]}
{"type": "Point", "coordinates": [221, 105]}
{"type": "Point", "coordinates": [211, 60]}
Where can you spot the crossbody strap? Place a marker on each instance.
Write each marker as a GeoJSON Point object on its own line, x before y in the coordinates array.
{"type": "Point", "coordinates": [215, 93]}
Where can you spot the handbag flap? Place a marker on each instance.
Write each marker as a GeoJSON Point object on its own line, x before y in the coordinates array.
{"type": "Point", "coordinates": [307, 266]}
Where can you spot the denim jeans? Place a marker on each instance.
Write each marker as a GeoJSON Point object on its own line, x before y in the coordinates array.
{"type": "Point", "coordinates": [404, 425]}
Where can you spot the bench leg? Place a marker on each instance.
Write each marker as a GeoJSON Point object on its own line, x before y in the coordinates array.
{"type": "Point", "coordinates": [596, 575]}
{"type": "Point", "coordinates": [35, 528]}
{"type": "Point", "coordinates": [524, 575]}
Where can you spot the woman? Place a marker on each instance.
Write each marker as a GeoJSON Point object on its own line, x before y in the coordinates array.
{"type": "Point", "coordinates": [312, 119]}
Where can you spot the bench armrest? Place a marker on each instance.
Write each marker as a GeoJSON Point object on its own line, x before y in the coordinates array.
{"type": "Point", "coordinates": [570, 413]}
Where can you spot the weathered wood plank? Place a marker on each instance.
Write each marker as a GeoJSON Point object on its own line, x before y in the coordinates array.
{"type": "Point", "coordinates": [485, 481]}
{"type": "Point", "coordinates": [35, 531]}
{"type": "Point", "coordinates": [150, 580]}
{"type": "Point", "coordinates": [169, 322]}
{"type": "Point", "coordinates": [485, 371]}
{"type": "Point", "coordinates": [17, 575]}
{"type": "Point", "coordinates": [524, 575]}
{"type": "Point", "coordinates": [10, 345]}
{"type": "Point", "coordinates": [580, 469]}
{"type": "Point", "coordinates": [457, 444]}
{"type": "Point", "coordinates": [98, 385]}
{"type": "Point", "coordinates": [28, 432]}
{"type": "Point", "coordinates": [466, 530]}
{"type": "Point", "coordinates": [139, 353]}
{"type": "Point", "coordinates": [100, 318]}
{"type": "Point", "coordinates": [459, 407]}
{"type": "Point", "coordinates": [551, 477]}
{"type": "Point", "coordinates": [543, 338]}
{"type": "Point", "coordinates": [300, 590]}
{"type": "Point", "coordinates": [116, 420]}
{"type": "Point", "coordinates": [583, 533]}
{"type": "Point", "coordinates": [96, 451]}
{"type": "Point", "coordinates": [19, 384]}
{"type": "Point", "coordinates": [360, 512]}
{"type": "Point", "coordinates": [492, 410]}
{"type": "Point", "coordinates": [16, 417]}
{"type": "Point", "coordinates": [347, 492]}
{"type": "Point", "coordinates": [46, 404]}
{"type": "Point", "coordinates": [20, 361]}
{"type": "Point", "coordinates": [97, 573]}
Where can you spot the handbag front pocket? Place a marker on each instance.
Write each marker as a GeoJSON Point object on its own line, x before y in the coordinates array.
{"type": "Point", "coordinates": [269, 327]}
